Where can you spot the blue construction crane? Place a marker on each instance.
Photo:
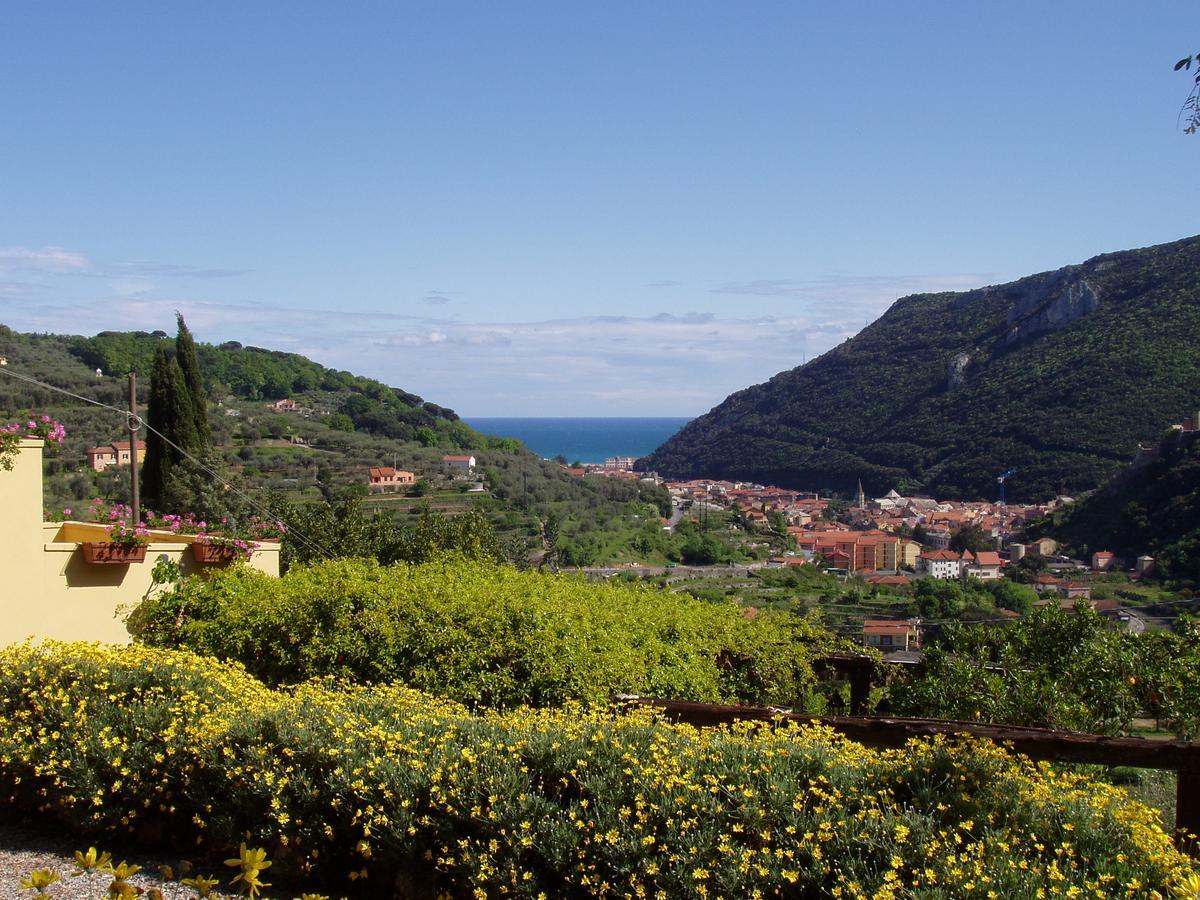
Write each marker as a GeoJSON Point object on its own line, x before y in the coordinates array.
{"type": "Point", "coordinates": [1003, 478]}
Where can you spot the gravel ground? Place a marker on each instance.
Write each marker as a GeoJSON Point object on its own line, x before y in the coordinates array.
{"type": "Point", "coordinates": [22, 850]}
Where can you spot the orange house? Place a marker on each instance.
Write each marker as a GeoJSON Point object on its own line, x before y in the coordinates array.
{"type": "Point", "coordinates": [382, 479]}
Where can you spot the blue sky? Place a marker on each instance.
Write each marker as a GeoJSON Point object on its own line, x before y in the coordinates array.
{"type": "Point", "coordinates": [560, 209]}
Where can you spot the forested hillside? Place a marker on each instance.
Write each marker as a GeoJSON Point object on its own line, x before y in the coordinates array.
{"type": "Point", "coordinates": [252, 373]}
{"type": "Point", "coordinates": [347, 424]}
{"type": "Point", "coordinates": [1058, 375]}
{"type": "Point", "coordinates": [1151, 508]}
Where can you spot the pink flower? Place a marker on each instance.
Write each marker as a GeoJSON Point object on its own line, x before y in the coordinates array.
{"type": "Point", "coordinates": [67, 511]}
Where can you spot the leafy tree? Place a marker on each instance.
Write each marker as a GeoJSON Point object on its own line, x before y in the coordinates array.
{"type": "Point", "coordinates": [971, 537]}
{"type": "Point", "coordinates": [939, 598]}
{"type": "Point", "coordinates": [1061, 669]}
{"type": "Point", "coordinates": [1010, 595]}
{"type": "Point", "coordinates": [1191, 106]}
{"type": "Point", "coordinates": [702, 550]}
{"type": "Point", "coordinates": [1028, 567]}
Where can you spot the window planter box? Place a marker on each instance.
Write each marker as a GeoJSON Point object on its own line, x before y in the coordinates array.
{"type": "Point", "coordinates": [105, 553]}
{"type": "Point", "coordinates": [214, 554]}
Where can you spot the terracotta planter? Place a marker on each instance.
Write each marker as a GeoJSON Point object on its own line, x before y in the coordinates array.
{"type": "Point", "coordinates": [214, 554]}
{"type": "Point", "coordinates": [106, 553]}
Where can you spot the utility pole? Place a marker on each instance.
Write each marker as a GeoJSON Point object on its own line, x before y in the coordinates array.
{"type": "Point", "coordinates": [135, 501]}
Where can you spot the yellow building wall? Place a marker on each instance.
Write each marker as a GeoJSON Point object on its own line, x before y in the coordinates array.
{"type": "Point", "coordinates": [46, 588]}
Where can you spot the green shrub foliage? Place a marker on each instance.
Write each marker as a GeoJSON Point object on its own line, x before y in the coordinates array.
{"type": "Point", "coordinates": [486, 634]}
{"type": "Point", "coordinates": [1059, 669]}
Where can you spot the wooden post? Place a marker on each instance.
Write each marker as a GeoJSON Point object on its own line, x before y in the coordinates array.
{"type": "Point", "coordinates": [135, 500]}
{"type": "Point", "coordinates": [860, 690]}
{"type": "Point", "coordinates": [1187, 808]}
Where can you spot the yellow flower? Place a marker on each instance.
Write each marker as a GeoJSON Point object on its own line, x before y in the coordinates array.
{"type": "Point", "coordinates": [92, 861]}
{"type": "Point", "coordinates": [1188, 888]}
{"type": "Point", "coordinates": [124, 870]}
{"type": "Point", "coordinates": [201, 885]}
{"type": "Point", "coordinates": [251, 863]}
{"type": "Point", "coordinates": [39, 880]}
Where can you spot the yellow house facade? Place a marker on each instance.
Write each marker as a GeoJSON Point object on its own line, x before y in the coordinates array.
{"type": "Point", "coordinates": [48, 590]}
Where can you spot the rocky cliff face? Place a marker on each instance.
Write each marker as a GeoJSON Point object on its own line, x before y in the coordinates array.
{"type": "Point", "coordinates": [956, 370]}
{"type": "Point", "coordinates": [1061, 299]}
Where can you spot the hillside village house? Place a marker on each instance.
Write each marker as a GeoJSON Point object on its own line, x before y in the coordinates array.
{"type": "Point", "coordinates": [890, 634]}
{"type": "Point", "coordinates": [114, 454]}
{"type": "Point", "coordinates": [864, 551]}
{"type": "Point", "coordinates": [460, 465]}
{"type": "Point", "coordinates": [50, 591]}
{"type": "Point", "coordinates": [984, 565]}
{"type": "Point", "coordinates": [288, 405]}
{"type": "Point", "coordinates": [939, 564]}
{"type": "Point", "coordinates": [383, 479]}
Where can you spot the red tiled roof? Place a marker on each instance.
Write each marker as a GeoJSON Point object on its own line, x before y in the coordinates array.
{"type": "Point", "coordinates": [940, 555]}
{"type": "Point", "coordinates": [887, 579]}
{"type": "Point", "coordinates": [885, 626]}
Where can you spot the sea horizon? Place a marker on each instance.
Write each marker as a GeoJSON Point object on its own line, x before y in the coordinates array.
{"type": "Point", "coordinates": [584, 439]}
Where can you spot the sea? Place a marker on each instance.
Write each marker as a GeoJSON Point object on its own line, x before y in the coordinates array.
{"type": "Point", "coordinates": [585, 440]}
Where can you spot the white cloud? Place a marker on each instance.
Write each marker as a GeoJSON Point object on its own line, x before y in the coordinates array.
{"type": "Point", "coordinates": [43, 259]}
{"type": "Point", "coordinates": [660, 363]}
{"type": "Point", "coordinates": [58, 261]}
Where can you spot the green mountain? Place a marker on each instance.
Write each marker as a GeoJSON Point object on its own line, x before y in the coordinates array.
{"type": "Point", "coordinates": [1057, 375]}
{"type": "Point", "coordinates": [348, 424]}
{"type": "Point", "coordinates": [1151, 507]}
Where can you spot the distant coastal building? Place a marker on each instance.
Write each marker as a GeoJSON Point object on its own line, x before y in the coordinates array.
{"type": "Point", "coordinates": [114, 454]}
{"type": "Point", "coordinates": [620, 463]}
{"type": "Point", "coordinates": [382, 479]}
{"type": "Point", "coordinates": [461, 465]}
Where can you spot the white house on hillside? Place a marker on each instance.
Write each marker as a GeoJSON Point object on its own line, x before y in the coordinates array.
{"type": "Point", "coordinates": [939, 564]}
{"type": "Point", "coordinates": [460, 465]}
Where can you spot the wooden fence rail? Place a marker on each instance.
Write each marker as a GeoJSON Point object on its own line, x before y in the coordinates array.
{"type": "Point", "coordinates": [1038, 743]}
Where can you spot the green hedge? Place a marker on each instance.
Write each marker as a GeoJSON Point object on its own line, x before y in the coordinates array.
{"type": "Point", "coordinates": [487, 634]}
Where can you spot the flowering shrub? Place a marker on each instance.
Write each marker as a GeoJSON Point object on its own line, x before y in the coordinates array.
{"type": "Point", "coordinates": [122, 534]}
{"type": "Point", "coordinates": [234, 543]}
{"type": "Point", "coordinates": [44, 427]}
{"type": "Point", "coordinates": [487, 634]}
{"type": "Point", "coordinates": [266, 529]}
{"type": "Point", "coordinates": [116, 520]}
{"type": "Point", "coordinates": [418, 796]}
{"type": "Point", "coordinates": [185, 524]}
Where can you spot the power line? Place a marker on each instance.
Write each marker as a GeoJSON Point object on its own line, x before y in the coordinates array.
{"type": "Point", "coordinates": [131, 419]}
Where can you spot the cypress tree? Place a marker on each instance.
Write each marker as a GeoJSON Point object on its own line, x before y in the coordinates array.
{"type": "Point", "coordinates": [154, 469]}
{"type": "Point", "coordinates": [170, 413]}
{"type": "Point", "coordinates": [189, 365]}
